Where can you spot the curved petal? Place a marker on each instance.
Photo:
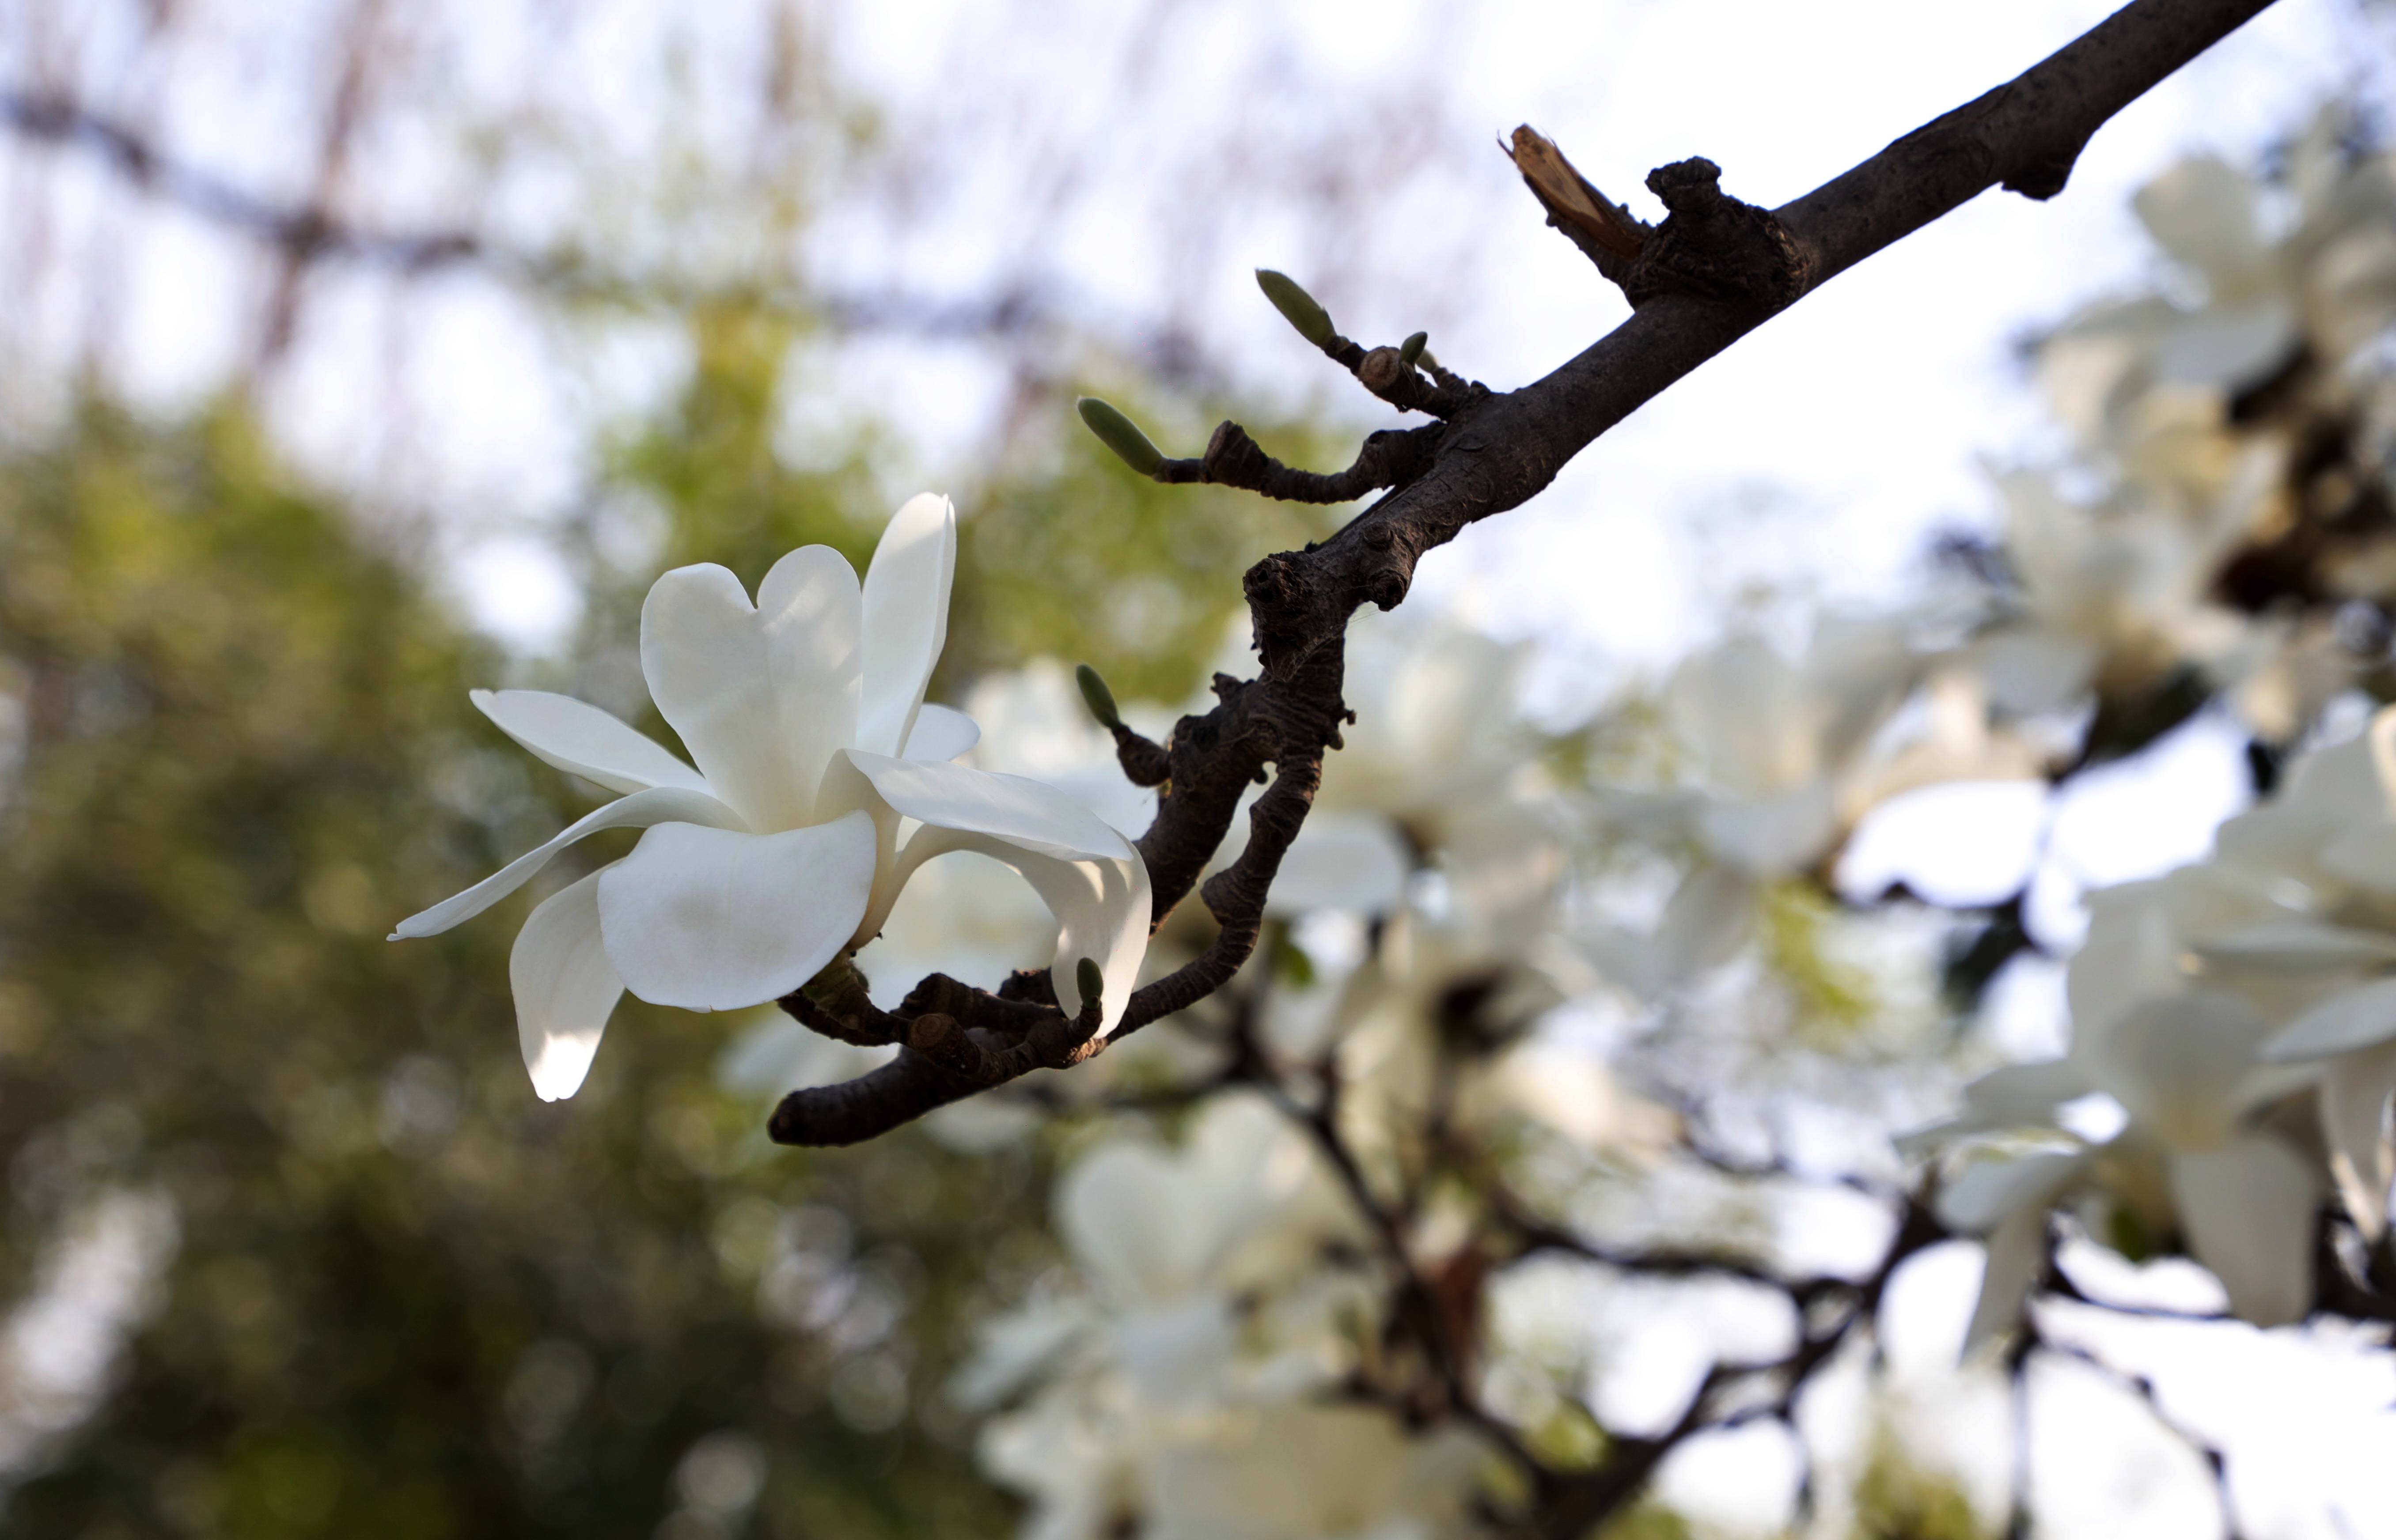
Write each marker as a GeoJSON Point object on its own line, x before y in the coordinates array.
{"type": "Point", "coordinates": [714, 920]}
{"type": "Point", "coordinates": [2354, 1120]}
{"type": "Point", "coordinates": [2342, 1023]}
{"type": "Point", "coordinates": [941, 734]}
{"type": "Point", "coordinates": [1707, 918]}
{"type": "Point", "coordinates": [1102, 910]}
{"type": "Point", "coordinates": [2020, 1094]}
{"type": "Point", "coordinates": [2248, 1211]}
{"type": "Point", "coordinates": [657, 805]}
{"type": "Point", "coordinates": [704, 655]}
{"type": "Point", "coordinates": [811, 614]}
{"type": "Point", "coordinates": [906, 618]}
{"type": "Point", "coordinates": [1028, 813]}
{"type": "Point", "coordinates": [845, 791]}
{"type": "Point", "coordinates": [1986, 1193]}
{"type": "Point", "coordinates": [2298, 946]}
{"type": "Point", "coordinates": [2184, 1066]}
{"type": "Point", "coordinates": [2016, 1250]}
{"type": "Point", "coordinates": [2016, 1095]}
{"type": "Point", "coordinates": [565, 989]}
{"type": "Point", "coordinates": [582, 740]}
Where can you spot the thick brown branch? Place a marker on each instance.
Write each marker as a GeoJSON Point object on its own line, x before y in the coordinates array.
{"type": "Point", "coordinates": [1502, 449]}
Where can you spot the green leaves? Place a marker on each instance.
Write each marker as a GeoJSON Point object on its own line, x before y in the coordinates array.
{"type": "Point", "coordinates": [1119, 433]}
{"type": "Point", "coordinates": [1094, 695]}
{"type": "Point", "coordinates": [1298, 307]}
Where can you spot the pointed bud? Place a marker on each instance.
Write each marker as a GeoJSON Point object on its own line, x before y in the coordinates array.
{"type": "Point", "coordinates": [1412, 348]}
{"type": "Point", "coordinates": [1296, 307]}
{"type": "Point", "coordinates": [1094, 695]}
{"type": "Point", "coordinates": [1093, 983]}
{"type": "Point", "coordinates": [1118, 433]}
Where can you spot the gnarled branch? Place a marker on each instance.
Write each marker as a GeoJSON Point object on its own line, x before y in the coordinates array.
{"type": "Point", "coordinates": [1710, 273]}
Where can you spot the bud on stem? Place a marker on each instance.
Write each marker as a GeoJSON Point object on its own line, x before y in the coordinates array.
{"type": "Point", "coordinates": [1411, 350]}
{"type": "Point", "coordinates": [1296, 307]}
{"type": "Point", "coordinates": [1093, 983]}
{"type": "Point", "coordinates": [1118, 433]}
{"type": "Point", "coordinates": [1096, 696]}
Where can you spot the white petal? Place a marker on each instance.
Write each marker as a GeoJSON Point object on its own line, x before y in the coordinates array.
{"type": "Point", "coordinates": [2184, 1066]}
{"type": "Point", "coordinates": [810, 612]}
{"type": "Point", "coordinates": [704, 655]}
{"type": "Point", "coordinates": [2016, 1249]}
{"type": "Point", "coordinates": [1986, 1193]}
{"type": "Point", "coordinates": [2015, 1096]}
{"type": "Point", "coordinates": [2248, 1211]}
{"type": "Point", "coordinates": [661, 804]}
{"type": "Point", "coordinates": [2024, 1093]}
{"type": "Point", "coordinates": [1782, 830]}
{"type": "Point", "coordinates": [1031, 815]}
{"type": "Point", "coordinates": [2364, 855]}
{"type": "Point", "coordinates": [1102, 909]}
{"type": "Point", "coordinates": [713, 919]}
{"type": "Point", "coordinates": [2356, 1019]}
{"type": "Point", "coordinates": [1342, 861]}
{"type": "Point", "coordinates": [906, 617]}
{"type": "Point", "coordinates": [941, 734]}
{"type": "Point", "coordinates": [565, 988]}
{"type": "Point", "coordinates": [2353, 1116]}
{"type": "Point", "coordinates": [583, 740]}
{"type": "Point", "coordinates": [845, 791]}
{"type": "Point", "coordinates": [1707, 918]}
{"type": "Point", "coordinates": [2298, 946]}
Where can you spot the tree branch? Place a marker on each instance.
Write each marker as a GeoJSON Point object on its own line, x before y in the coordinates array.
{"type": "Point", "coordinates": [1710, 273]}
{"type": "Point", "coordinates": [1505, 447]}
{"type": "Point", "coordinates": [300, 235]}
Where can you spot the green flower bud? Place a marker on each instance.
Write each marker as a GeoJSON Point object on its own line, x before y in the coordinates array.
{"type": "Point", "coordinates": [1094, 695]}
{"type": "Point", "coordinates": [1296, 307]}
{"type": "Point", "coordinates": [1118, 433]}
{"type": "Point", "coordinates": [1093, 983]}
{"type": "Point", "coordinates": [1412, 348]}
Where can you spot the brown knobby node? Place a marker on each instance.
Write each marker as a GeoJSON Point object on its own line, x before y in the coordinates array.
{"type": "Point", "coordinates": [1713, 246]}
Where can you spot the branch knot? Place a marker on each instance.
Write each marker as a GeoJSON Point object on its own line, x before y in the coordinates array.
{"type": "Point", "coordinates": [1713, 246]}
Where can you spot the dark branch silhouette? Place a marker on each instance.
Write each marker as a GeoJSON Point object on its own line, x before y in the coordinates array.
{"type": "Point", "coordinates": [1711, 273]}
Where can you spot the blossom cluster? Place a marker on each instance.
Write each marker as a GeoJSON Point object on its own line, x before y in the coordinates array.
{"type": "Point", "coordinates": [1290, 1215]}
{"type": "Point", "coordinates": [2237, 1018]}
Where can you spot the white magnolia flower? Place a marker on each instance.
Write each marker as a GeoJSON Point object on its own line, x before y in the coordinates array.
{"type": "Point", "coordinates": [1181, 1394]}
{"type": "Point", "coordinates": [1168, 1240]}
{"type": "Point", "coordinates": [1778, 760]}
{"type": "Point", "coordinates": [1438, 768]}
{"type": "Point", "coordinates": [2325, 962]}
{"type": "Point", "coordinates": [814, 753]}
{"type": "Point", "coordinates": [2111, 596]}
{"type": "Point", "coordinates": [2191, 1158]}
{"type": "Point", "coordinates": [2175, 995]}
{"type": "Point", "coordinates": [2206, 408]}
{"type": "Point", "coordinates": [967, 917]}
{"type": "Point", "coordinates": [2148, 380]}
